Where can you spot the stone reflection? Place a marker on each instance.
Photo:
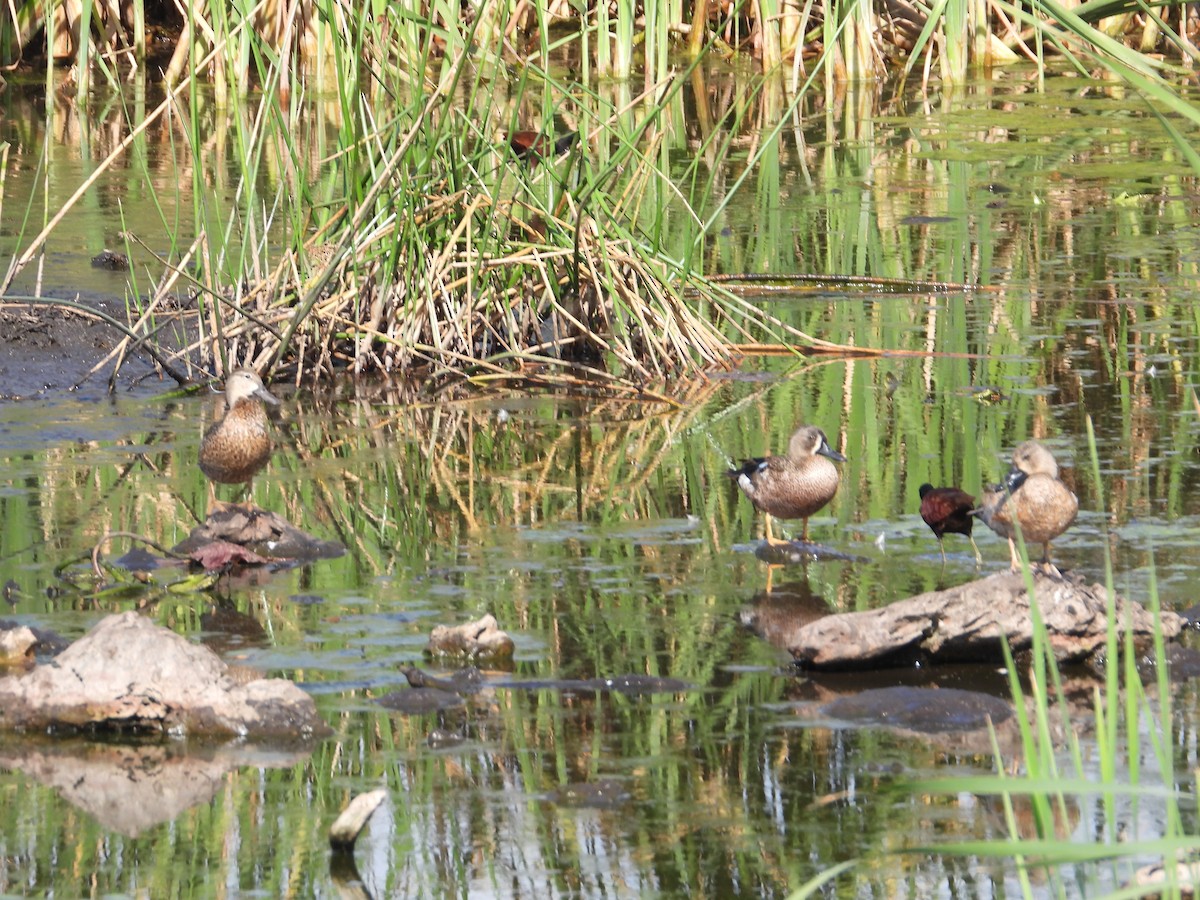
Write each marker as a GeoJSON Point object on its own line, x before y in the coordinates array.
{"type": "Point", "coordinates": [777, 613]}
{"type": "Point", "coordinates": [131, 788]}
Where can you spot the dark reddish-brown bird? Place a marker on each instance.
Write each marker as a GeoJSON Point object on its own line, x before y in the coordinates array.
{"type": "Point", "coordinates": [533, 146]}
{"type": "Point", "coordinates": [948, 509]}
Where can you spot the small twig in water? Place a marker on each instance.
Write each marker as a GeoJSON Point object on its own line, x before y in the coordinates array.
{"type": "Point", "coordinates": [132, 536]}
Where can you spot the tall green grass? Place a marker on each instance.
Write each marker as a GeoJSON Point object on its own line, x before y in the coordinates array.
{"type": "Point", "coordinates": [416, 160]}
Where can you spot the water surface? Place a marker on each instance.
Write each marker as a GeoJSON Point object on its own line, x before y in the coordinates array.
{"type": "Point", "coordinates": [607, 540]}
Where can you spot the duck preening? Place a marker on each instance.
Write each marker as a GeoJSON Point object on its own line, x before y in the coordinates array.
{"type": "Point", "coordinates": [1033, 498]}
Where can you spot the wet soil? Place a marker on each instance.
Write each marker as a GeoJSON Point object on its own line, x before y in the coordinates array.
{"type": "Point", "coordinates": [50, 350]}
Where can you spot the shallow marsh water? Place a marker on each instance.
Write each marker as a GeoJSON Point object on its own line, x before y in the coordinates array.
{"type": "Point", "coordinates": [606, 538]}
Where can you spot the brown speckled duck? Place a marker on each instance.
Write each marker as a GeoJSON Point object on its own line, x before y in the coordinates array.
{"type": "Point", "coordinates": [1034, 497]}
{"type": "Point", "coordinates": [793, 486]}
{"type": "Point", "coordinates": [237, 445]}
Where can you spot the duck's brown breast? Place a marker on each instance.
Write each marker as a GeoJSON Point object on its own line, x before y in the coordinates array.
{"type": "Point", "coordinates": [237, 446]}
{"type": "Point", "coordinates": [789, 490]}
{"type": "Point", "coordinates": [1043, 506]}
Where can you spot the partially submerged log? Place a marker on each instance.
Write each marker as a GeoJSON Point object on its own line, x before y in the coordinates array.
{"type": "Point", "coordinates": [346, 828]}
{"type": "Point", "coordinates": [970, 623]}
{"type": "Point", "coordinates": [130, 675]}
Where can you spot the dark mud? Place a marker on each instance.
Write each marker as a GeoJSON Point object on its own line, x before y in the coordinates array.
{"type": "Point", "coordinates": [51, 350]}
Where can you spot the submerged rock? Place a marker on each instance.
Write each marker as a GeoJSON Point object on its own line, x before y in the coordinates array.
{"type": "Point", "coordinates": [921, 710]}
{"type": "Point", "coordinates": [130, 675]}
{"type": "Point", "coordinates": [464, 681]}
{"type": "Point", "coordinates": [607, 793]}
{"type": "Point", "coordinates": [16, 644]}
{"type": "Point", "coordinates": [111, 260]}
{"type": "Point", "coordinates": [470, 681]}
{"type": "Point", "coordinates": [420, 700]}
{"type": "Point", "coordinates": [630, 685]}
{"type": "Point", "coordinates": [636, 684]}
{"type": "Point", "coordinates": [795, 552]}
{"type": "Point", "coordinates": [19, 643]}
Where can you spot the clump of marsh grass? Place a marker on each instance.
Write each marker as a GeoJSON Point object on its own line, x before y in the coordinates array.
{"type": "Point", "coordinates": [449, 254]}
{"type": "Point", "coordinates": [435, 248]}
{"type": "Point", "coordinates": [431, 291]}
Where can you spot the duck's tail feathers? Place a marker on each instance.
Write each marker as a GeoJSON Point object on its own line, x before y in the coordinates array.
{"type": "Point", "coordinates": [748, 467]}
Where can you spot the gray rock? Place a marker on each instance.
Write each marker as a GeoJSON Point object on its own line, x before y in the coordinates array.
{"type": "Point", "coordinates": [130, 675]}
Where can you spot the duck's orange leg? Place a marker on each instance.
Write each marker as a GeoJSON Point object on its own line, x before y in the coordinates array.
{"type": "Point", "coordinates": [772, 541]}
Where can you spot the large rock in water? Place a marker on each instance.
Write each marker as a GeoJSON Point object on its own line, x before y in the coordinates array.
{"type": "Point", "coordinates": [969, 622]}
{"type": "Point", "coordinates": [128, 674]}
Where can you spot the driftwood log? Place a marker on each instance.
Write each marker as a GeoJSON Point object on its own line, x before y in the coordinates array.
{"type": "Point", "coordinates": [969, 623]}
{"type": "Point", "coordinates": [346, 828]}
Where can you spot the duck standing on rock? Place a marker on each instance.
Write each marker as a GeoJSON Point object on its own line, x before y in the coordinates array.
{"type": "Point", "coordinates": [237, 445]}
{"type": "Point", "coordinates": [793, 486]}
{"type": "Point", "coordinates": [1032, 497]}
{"type": "Point", "coordinates": [947, 510]}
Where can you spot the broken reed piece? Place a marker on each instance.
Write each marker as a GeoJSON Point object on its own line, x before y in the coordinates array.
{"type": "Point", "coordinates": [346, 828]}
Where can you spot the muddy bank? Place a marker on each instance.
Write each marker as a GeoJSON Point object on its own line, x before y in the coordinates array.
{"type": "Point", "coordinates": [50, 350]}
